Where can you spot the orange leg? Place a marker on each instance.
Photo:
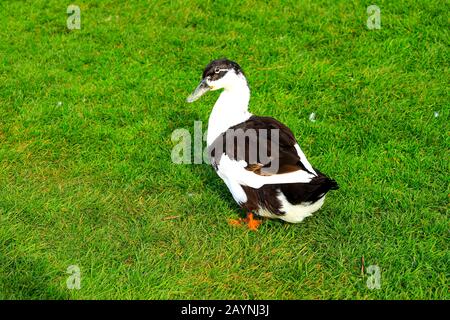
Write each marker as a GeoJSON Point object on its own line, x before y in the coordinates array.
{"type": "Point", "coordinates": [235, 222]}
{"type": "Point", "coordinates": [252, 223]}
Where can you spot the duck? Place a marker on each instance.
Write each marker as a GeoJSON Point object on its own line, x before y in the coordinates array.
{"type": "Point", "coordinates": [257, 157]}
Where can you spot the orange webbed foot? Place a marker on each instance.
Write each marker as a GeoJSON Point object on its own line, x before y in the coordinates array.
{"type": "Point", "coordinates": [252, 223]}
{"type": "Point", "coordinates": [235, 222]}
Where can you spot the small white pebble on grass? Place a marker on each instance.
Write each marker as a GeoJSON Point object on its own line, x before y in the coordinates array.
{"type": "Point", "coordinates": [59, 103]}
{"type": "Point", "coordinates": [436, 114]}
{"type": "Point", "coordinates": [312, 117]}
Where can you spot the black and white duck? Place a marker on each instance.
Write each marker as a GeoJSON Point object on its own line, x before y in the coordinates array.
{"type": "Point", "coordinates": [279, 183]}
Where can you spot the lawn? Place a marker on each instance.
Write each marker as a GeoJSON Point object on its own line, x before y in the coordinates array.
{"type": "Point", "coordinates": [86, 176]}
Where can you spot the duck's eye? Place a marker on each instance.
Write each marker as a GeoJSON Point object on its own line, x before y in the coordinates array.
{"type": "Point", "coordinates": [218, 70]}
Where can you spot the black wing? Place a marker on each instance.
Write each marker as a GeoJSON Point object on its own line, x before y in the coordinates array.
{"type": "Point", "coordinates": [267, 145]}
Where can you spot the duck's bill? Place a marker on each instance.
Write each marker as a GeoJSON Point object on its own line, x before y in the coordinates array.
{"type": "Point", "coordinates": [198, 92]}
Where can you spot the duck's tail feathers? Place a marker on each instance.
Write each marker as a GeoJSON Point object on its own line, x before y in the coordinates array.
{"type": "Point", "coordinates": [309, 192]}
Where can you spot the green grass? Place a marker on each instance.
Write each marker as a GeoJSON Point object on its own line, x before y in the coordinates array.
{"type": "Point", "coordinates": [86, 176]}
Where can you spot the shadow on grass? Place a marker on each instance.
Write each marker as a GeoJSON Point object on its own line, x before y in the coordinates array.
{"type": "Point", "coordinates": [185, 119]}
{"type": "Point", "coordinates": [215, 185]}
{"type": "Point", "coordinates": [28, 278]}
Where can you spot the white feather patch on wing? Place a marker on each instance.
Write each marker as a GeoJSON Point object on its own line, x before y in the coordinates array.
{"type": "Point", "coordinates": [304, 160]}
{"type": "Point", "coordinates": [235, 188]}
{"type": "Point", "coordinates": [235, 171]}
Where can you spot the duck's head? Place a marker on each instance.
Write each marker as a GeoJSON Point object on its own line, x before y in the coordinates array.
{"type": "Point", "coordinates": [219, 74]}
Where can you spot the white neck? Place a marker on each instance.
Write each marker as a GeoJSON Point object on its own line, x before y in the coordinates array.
{"type": "Point", "coordinates": [230, 109]}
